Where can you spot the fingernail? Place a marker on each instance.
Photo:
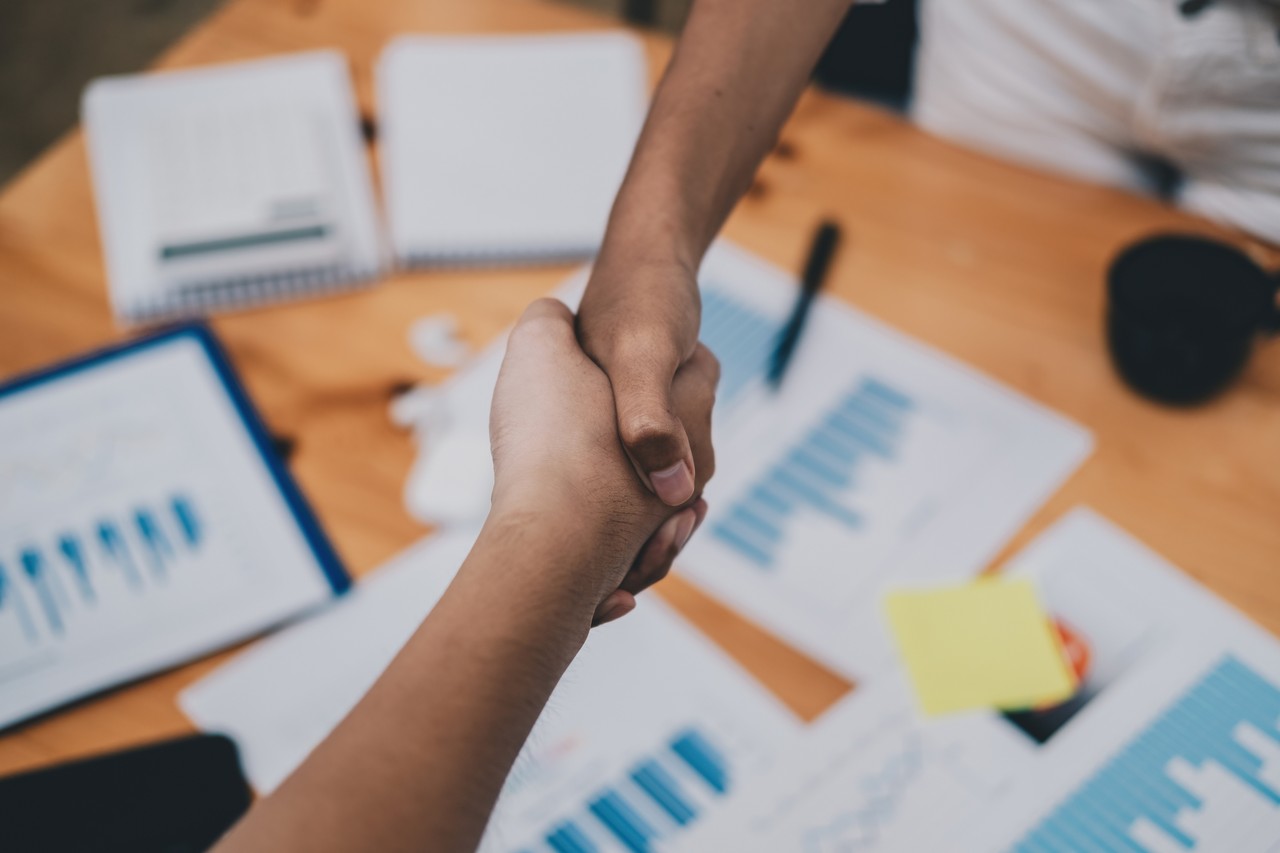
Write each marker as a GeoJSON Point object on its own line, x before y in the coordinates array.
{"type": "Point", "coordinates": [684, 528]}
{"type": "Point", "coordinates": [673, 485]}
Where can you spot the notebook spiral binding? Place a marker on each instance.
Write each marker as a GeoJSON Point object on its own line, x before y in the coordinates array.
{"type": "Point", "coordinates": [467, 258]}
{"type": "Point", "coordinates": [247, 291]}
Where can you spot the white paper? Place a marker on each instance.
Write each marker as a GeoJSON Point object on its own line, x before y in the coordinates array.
{"type": "Point", "coordinates": [872, 775]}
{"type": "Point", "coordinates": [139, 527]}
{"type": "Point", "coordinates": [879, 460]}
{"type": "Point", "coordinates": [973, 460]}
{"type": "Point", "coordinates": [283, 696]}
{"type": "Point", "coordinates": [506, 147]}
{"type": "Point", "coordinates": [636, 685]}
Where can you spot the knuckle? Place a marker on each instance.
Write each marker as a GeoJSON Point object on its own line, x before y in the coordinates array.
{"type": "Point", "coordinates": [713, 370]}
{"type": "Point", "coordinates": [545, 311]}
{"type": "Point", "coordinates": [647, 430]}
{"type": "Point", "coordinates": [707, 469]}
{"type": "Point", "coordinates": [544, 320]}
{"type": "Point", "coordinates": [701, 374]}
{"type": "Point", "coordinates": [661, 571]}
{"type": "Point", "coordinates": [654, 569]}
{"type": "Point", "coordinates": [707, 361]}
{"type": "Point", "coordinates": [548, 306]}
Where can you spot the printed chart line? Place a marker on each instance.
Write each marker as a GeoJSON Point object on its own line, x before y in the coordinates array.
{"type": "Point", "coordinates": [40, 583]}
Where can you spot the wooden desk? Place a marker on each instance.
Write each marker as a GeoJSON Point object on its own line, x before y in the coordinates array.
{"type": "Point", "coordinates": [998, 266]}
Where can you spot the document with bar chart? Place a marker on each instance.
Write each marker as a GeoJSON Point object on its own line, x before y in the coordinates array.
{"type": "Point", "coordinates": [1171, 742]}
{"type": "Point", "coordinates": [284, 695]}
{"type": "Point", "coordinates": [1204, 775]}
{"type": "Point", "coordinates": [652, 732]}
{"type": "Point", "coordinates": [879, 459]}
{"type": "Point", "coordinates": [141, 522]}
{"type": "Point", "coordinates": [870, 775]}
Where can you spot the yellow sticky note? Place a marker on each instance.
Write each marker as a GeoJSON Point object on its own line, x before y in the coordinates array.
{"type": "Point", "coordinates": [986, 644]}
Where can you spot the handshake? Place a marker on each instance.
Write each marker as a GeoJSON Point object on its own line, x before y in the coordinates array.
{"type": "Point", "coordinates": [579, 524]}
{"type": "Point", "coordinates": [613, 484]}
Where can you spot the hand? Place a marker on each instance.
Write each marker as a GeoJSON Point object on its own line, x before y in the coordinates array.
{"type": "Point", "coordinates": [561, 473]}
{"type": "Point", "coordinates": [639, 322]}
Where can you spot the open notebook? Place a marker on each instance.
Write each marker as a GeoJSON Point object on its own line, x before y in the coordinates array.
{"type": "Point", "coordinates": [506, 148]}
{"type": "Point", "coordinates": [230, 185]}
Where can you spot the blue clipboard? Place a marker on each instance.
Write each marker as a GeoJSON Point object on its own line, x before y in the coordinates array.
{"type": "Point", "coordinates": [326, 557]}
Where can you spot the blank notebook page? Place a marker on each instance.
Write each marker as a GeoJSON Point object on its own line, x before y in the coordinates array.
{"type": "Point", "coordinates": [506, 148]}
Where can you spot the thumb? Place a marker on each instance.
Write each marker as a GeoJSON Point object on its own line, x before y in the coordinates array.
{"type": "Point", "coordinates": [654, 437]}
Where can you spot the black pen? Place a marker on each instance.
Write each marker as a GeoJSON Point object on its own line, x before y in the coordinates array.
{"type": "Point", "coordinates": [815, 273]}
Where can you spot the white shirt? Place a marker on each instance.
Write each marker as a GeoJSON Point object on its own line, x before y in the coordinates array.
{"type": "Point", "coordinates": [1084, 87]}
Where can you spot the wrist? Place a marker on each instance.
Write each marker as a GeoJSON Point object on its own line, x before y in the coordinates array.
{"type": "Point", "coordinates": [641, 306]}
{"type": "Point", "coordinates": [622, 258]}
{"type": "Point", "coordinates": [654, 227]}
{"type": "Point", "coordinates": [570, 542]}
{"type": "Point", "coordinates": [521, 594]}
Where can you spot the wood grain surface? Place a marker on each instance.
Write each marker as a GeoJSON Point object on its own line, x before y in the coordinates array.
{"type": "Point", "coordinates": [999, 266]}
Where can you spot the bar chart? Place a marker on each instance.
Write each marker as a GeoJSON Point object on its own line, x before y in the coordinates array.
{"type": "Point", "coordinates": [815, 504]}
{"type": "Point", "coordinates": [878, 457]}
{"type": "Point", "coordinates": [1205, 775]}
{"type": "Point", "coordinates": [870, 775]}
{"type": "Point", "coordinates": [143, 521]}
{"type": "Point", "coordinates": [46, 583]}
{"type": "Point", "coordinates": [816, 474]}
{"type": "Point", "coordinates": [657, 797]}
{"type": "Point", "coordinates": [651, 732]}
{"type": "Point", "coordinates": [741, 337]}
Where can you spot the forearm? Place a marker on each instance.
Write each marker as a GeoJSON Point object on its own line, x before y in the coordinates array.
{"type": "Point", "coordinates": [420, 761]}
{"type": "Point", "coordinates": [736, 74]}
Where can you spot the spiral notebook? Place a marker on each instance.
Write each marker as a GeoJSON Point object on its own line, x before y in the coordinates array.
{"type": "Point", "coordinates": [505, 149]}
{"type": "Point", "coordinates": [231, 185]}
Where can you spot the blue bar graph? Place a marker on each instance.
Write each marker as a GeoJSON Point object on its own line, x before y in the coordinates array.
{"type": "Point", "coordinates": [45, 586]}
{"type": "Point", "coordinates": [741, 337]}
{"type": "Point", "coordinates": [623, 821]}
{"type": "Point", "coordinates": [73, 553]}
{"type": "Point", "coordinates": [696, 751]}
{"type": "Point", "coordinates": [56, 575]}
{"type": "Point", "coordinates": [155, 543]}
{"type": "Point", "coordinates": [113, 545]}
{"type": "Point", "coordinates": [569, 838]}
{"type": "Point", "coordinates": [11, 602]}
{"type": "Point", "coordinates": [662, 793]}
{"type": "Point", "coordinates": [819, 472]}
{"type": "Point", "coordinates": [1136, 790]}
{"type": "Point", "coordinates": [188, 521]}
{"type": "Point", "coordinates": [664, 790]}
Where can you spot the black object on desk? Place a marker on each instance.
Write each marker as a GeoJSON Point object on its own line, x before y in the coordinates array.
{"type": "Point", "coordinates": [823, 249]}
{"type": "Point", "coordinates": [1183, 315]}
{"type": "Point", "coordinates": [177, 796]}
